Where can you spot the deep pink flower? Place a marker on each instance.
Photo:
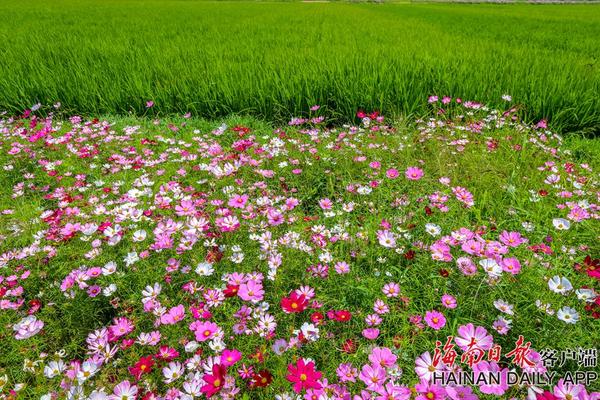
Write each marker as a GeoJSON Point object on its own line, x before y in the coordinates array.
{"type": "Point", "coordinates": [303, 376]}
{"type": "Point", "coordinates": [230, 357]}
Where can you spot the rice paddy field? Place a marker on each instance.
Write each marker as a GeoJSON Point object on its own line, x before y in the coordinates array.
{"type": "Point", "coordinates": [273, 60]}
{"type": "Point", "coordinates": [299, 201]}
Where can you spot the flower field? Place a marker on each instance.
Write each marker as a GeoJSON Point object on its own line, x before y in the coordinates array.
{"type": "Point", "coordinates": [178, 258]}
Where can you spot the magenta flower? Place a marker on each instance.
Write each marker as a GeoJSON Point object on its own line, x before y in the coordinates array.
{"type": "Point", "coordinates": [392, 391]}
{"type": "Point", "coordinates": [392, 173]}
{"type": "Point", "coordinates": [230, 357]}
{"type": "Point", "coordinates": [460, 393]}
{"type": "Point", "coordinates": [325, 204]}
{"type": "Point", "coordinates": [414, 173]}
{"type": "Point", "coordinates": [303, 376]}
{"type": "Point", "coordinates": [238, 201]}
{"type": "Point", "coordinates": [428, 391]}
{"type": "Point", "coordinates": [435, 319]}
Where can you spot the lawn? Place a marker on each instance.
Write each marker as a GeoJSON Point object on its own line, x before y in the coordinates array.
{"type": "Point", "coordinates": [273, 60]}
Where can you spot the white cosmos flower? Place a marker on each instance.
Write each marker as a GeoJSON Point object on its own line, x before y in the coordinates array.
{"type": "Point", "coordinates": [433, 229]}
{"type": "Point", "coordinates": [87, 370]}
{"type": "Point", "coordinates": [53, 368]}
{"type": "Point", "coordinates": [587, 295]}
{"type": "Point", "coordinates": [192, 346]}
{"type": "Point", "coordinates": [172, 372]}
{"type": "Point", "coordinates": [568, 315]}
{"type": "Point", "coordinates": [109, 290]}
{"type": "Point", "coordinates": [205, 269]}
{"type": "Point", "coordinates": [490, 266]}
{"type": "Point", "coordinates": [560, 284]}
{"type": "Point", "coordinates": [139, 236]}
{"type": "Point", "coordinates": [561, 224]}
{"type": "Point", "coordinates": [109, 268]}
{"type": "Point", "coordinates": [131, 258]}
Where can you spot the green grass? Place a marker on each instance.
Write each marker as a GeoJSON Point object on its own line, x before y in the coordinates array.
{"type": "Point", "coordinates": [274, 59]}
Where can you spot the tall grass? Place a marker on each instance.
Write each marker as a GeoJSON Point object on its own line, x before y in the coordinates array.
{"type": "Point", "coordinates": [275, 59]}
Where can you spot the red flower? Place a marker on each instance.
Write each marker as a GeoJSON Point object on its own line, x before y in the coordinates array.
{"type": "Point", "coordinates": [592, 267]}
{"type": "Point", "coordinates": [303, 376]}
{"type": "Point", "coordinates": [143, 366]}
{"type": "Point", "coordinates": [294, 303]}
{"type": "Point", "coordinates": [214, 382]}
{"type": "Point", "coordinates": [231, 290]}
{"type": "Point", "coordinates": [349, 346]}
{"type": "Point", "coordinates": [317, 317]}
{"type": "Point", "coordinates": [546, 396]}
{"type": "Point", "coordinates": [261, 379]}
{"type": "Point", "coordinates": [342, 316]}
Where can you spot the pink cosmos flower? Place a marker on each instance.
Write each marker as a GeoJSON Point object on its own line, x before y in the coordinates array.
{"type": "Point", "coordinates": [424, 367]}
{"type": "Point", "coordinates": [391, 289]}
{"type": "Point", "coordinates": [370, 333]}
{"type": "Point", "coordinates": [392, 173]}
{"type": "Point", "coordinates": [342, 267]}
{"type": "Point", "coordinates": [230, 357]}
{"type": "Point", "coordinates": [325, 204]}
{"type": "Point", "coordinates": [346, 373]}
{"type": "Point", "coordinates": [567, 391]}
{"type": "Point", "coordinates": [448, 301]}
{"type": "Point", "coordinates": [373, 376]}
{"type": "Point", "coordinates": [435, 319]}
{"type": "Point", "coordinates": [471, 336]}
{"type": "Point", "coordinates": [428, 391]}
{"type": "Point", "coordinates": [393, 392]}
{"type": "Point", "coordinates": [121, 327]}
{"type": "Point", "coordinates": [229, 223]}
{"type": "Point", "coordinates": [460, 393]}
{"type": "Point", "coordinates": [27, 327]}
{"type": "Point", "coordinates": [512, 239]}
{"type": "Point", "coordinates": [466, 266]}
{"type": "Point", "coordinates": [251, 291]}
{"type": "Point", "coordinates": [383, 357]}
{"type": "Point", "coordinates": [124, 391]}
{"type": "Point", "coordinates": [511, 265]}
{"type": "Point", "coordinates": [185, 208]}
{"type": "Point", "coordinates": [485, 367]}
{"type": "Point", "coordinates": [414, 173]}
{"type": "Point", "coordinates": [204, 330]}
{"type": "Point", "coordinates": [173, 316]}
{"type": "Point", "coordinates": [238, 201]}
